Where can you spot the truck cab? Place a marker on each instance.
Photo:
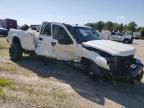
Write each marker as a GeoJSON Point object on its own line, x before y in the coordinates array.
{"type": "Point", "coordinates": [55, 41]}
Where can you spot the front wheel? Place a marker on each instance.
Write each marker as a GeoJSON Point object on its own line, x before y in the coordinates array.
{"type": "Point", "coordinates": [15, 52]}
{"type": "Point", "coordinates": [126, 41]}
{"type": "Point", "coordinates": [140, 76]}
{"type": "Point", "coordinates": [95, 71]}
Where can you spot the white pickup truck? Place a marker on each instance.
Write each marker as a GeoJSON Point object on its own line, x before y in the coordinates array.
{"type": "Point", "coordinates": [116, 36]}
{"type": "Point", "coordinates": [80, 44]}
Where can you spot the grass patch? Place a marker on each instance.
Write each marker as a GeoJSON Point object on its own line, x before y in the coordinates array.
{"type": "Point", "coordinates": [4, 83]}
{"type": "Point", "coordinates": [3, 43]}
{"type": "Point", "coordinates": [8, 67]}
{"type": "Point", "coordinates": [26, 88]}
{"type": "Point", "coordinates": [2, 92]}
{"type": "Point", "coordinates": [3, 52]}
{"type": "Point", "coordinates": [58, 94]}
{"type": "Point", "coordinates": [4, 46]}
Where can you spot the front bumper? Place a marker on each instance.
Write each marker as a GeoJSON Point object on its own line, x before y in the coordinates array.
{"type": "Point", "coordinates": [135, 72]}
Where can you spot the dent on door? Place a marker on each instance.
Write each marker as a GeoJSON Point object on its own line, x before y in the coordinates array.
{"type": "Point", "coordinates": [44, 47]}
{"type": "Point", "coordinates": [66, 52]}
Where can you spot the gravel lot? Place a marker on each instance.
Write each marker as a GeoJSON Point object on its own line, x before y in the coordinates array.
{"type": "Point", "coordinates": [56, 85]}
{"type": "Point", "coordinates": [139, 44]}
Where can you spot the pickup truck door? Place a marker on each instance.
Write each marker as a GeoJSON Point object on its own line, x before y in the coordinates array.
{"type": "Point", "coordinates": [63, 50]}
{"type": "Point", "coordinates": [44, 46]}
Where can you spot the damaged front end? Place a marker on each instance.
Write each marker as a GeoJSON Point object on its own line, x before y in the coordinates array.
{"type": "Point", "coordinates": [127, 68]}
{"type": "Point", "coordinates": [123, 68]}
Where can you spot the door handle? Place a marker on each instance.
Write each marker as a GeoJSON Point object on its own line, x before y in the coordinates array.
{"type": "Point", "coordinates": [53, 43]}
{"type": "Point", "coordinates": [40, 39]}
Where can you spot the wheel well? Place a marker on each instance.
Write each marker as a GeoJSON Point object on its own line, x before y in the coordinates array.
{"type": "Point", "coordinates": [127, 39]}
{"type": "Point", "coordinates": [86, 60]}
{"type": "Point", "coordinates": [16, 40]}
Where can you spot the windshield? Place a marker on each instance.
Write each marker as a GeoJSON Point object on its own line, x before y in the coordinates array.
{"type": "Point", "coordinates": [86, 34]}
{"type": "Point", "coordinates": [83, 34]}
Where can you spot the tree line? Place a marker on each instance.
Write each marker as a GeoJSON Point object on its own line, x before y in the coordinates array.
{"type": "Point", "coordinates": [112, 26]}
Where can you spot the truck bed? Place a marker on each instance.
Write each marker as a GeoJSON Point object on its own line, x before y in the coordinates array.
{"type": "Point", "coordinates": [28, 39]}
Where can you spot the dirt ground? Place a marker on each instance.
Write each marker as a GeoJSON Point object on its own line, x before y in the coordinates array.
{"type": "Point", "coordinates": [57, 85]}
{"type": "Point", "coordinates": [139, 45]}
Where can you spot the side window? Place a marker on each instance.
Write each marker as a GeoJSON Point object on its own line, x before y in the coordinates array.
{"type": "Point", "coordinates": [55, 31]}
{"type": "Point", "coordinates": [61, 35]}
{"type": "Point", "coordinates": [119, 34]}
{"type": "Point", "coordinates": [47, 29]}
{"type": "Point", "coordinates": [42, 28]}
{"type": "Point", "coordinates": [59, 32]}
{"type": "Point", "coordinates": [113, 33]}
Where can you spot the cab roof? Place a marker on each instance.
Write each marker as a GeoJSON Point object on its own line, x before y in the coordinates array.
{"type": "Point", "coordinates": [76, 25]}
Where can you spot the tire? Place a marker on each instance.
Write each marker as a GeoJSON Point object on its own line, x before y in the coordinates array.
{"type": "Point", "coordinates": [15, 52]}
{"type": "Point", "coordinates": [85, 65]}
{"type": "Point", "coordinates": [126, 41]}
{"type": "Point", "coordinates": [139, 77]}
{"type": "Point", "coordinates": [131, 41]}
{"type": "Point", "coordinates": [131, 81]}
{"type": "Point", "coordinates": [96, 72]}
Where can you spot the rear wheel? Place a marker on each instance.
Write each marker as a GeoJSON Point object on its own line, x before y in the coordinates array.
{"type": "Point", "coordinates": [15, 52]}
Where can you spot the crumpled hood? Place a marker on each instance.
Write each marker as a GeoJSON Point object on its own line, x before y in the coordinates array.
{"type": "Point", "coordinates": [111, 47]}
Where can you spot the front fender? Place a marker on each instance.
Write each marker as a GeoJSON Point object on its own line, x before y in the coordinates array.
{"type": "Point", "coordinates": [102, 62]}
{"type": "Point", "coordinates": [95, 57]}
{"type": "Point", "coordinates": [99, 60]}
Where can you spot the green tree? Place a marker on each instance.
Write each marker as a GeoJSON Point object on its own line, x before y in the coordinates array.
{"type": "Point", "coordinates": [121, 28]}
{"type": "Point", "coordinates": [99, 25]}
{"type": "Point", "coordinates": [115, 27]}
{"type": "Point", "coordinates": [138, 29]}
{"type": "Point", "coordinates": [91, 25]}
{"type": "Point", "coordinates": [132, 26]}
{"type": "Point", "coordinates": [125, 27]}
{"type": "Point", "coordinates": [108, 26]}
{"type": "Point", "coordinates": [142, 29]}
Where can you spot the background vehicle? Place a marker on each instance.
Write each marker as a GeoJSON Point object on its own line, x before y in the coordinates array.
{"type": "Point", "coordinates": [137, 35]}
{"type": "Point", "coordinates": [116, 36]}
{"type": "Point", "coordinates": [35, 27]}
{"type": "Point", "coordinates": [3, 32]}
{"type": "Point", "coordinates": [8, 23]}
{"type": "Point", "coordinates": [80, 45]}
{"type": "Point", "coordinates": [142, 35]}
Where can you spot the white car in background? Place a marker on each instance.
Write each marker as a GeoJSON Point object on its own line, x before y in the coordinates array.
{"type": "Point", "coordinates": [137, 35]}
{"type": "Point", "coordinates": [117, 36]}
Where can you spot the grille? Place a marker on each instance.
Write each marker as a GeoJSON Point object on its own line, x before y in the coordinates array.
{"type": "Point", "coordinates": [122, 65]}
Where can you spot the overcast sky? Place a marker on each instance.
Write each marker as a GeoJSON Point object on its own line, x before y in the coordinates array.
{"type": "Point", "coordinates": [73, 11]}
